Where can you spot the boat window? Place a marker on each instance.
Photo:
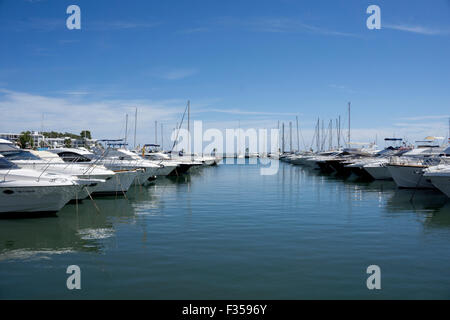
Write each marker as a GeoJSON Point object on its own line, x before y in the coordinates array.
{"type": "Point", "coordinates": [21, 155]}
{"type": "Point", "coordinates": [5, 164]}
{"type": "Point", "coordinates": [73, 157]}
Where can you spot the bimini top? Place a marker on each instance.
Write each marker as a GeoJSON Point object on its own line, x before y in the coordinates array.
{"type": "Point", "coordinates": [393, 139]}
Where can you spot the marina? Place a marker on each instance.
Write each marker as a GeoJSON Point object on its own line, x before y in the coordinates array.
{"type": "Point", "coordinates": [171, 224]}
{"type": "Point", "coordinates": [249, 151]}
{"type": "Point", "coordinates": [229, 231]}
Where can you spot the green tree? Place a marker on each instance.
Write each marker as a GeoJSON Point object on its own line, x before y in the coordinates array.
{"type": "Point", "coordinates": [25, 140]}
{"type": "Point", "coordinates": [68, 143]}
{"type": "Point", "coordinates": [86, 134]}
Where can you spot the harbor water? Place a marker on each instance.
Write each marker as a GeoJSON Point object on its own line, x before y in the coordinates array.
{"type": "Point", "coordinates": [228, 232]}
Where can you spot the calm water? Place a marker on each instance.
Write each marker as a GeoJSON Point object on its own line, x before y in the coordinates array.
{"type": "Point", "coordinates": [228, 232]}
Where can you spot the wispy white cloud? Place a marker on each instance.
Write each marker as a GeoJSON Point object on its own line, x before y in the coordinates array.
{"type": "Point", "coordinates": [244, 112]}
{"type": "Point", "coordinates": [120, 25]}
{"type": "Point", "coordinates": [426, 117]}
{"type": "Point", "coordinates": [72, 112]}
{"type": "Point", "coordinates": [53, 24]}
{"type": "Point", "coordinates": [341, 88]}
{"type": "Point", "coordinates": [194, 30]}
{"type": "Point", "coordinates": [75, 93]}
{"type": "Point", "coordinates": [67, 41]}
{"type": "Point", "coordinates": [176, 74]}
{"type": "Point", "coordinates": [281, 25]}
{"type": "Point", "coordinates": [105, 118]}
{"type": "Point", "coordinates": [417, 29]}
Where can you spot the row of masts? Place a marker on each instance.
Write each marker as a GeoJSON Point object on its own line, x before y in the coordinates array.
{"type": "Point", "coordinates": [135, 130]}
{"type": "Point", "coordinates": [321, 135]}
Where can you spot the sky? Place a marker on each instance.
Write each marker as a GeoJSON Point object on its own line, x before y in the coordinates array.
{"type": "Point", "coordinates": [240, 63]}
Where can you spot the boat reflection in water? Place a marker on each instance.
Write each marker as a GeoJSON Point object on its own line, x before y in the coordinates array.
{"type": "Point", "coordinates": [218, 232]}
{"type": "Point", "coordinates": [433, 208]}
{"type": "Point", "coordinates": [77, 228]}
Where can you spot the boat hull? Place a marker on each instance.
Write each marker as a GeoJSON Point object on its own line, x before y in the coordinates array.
{"type": "Point", "coordinates": [117, 185]}
{"type": "Point", "coordinates": [165, 171]}
{"type": "Point", "coordinates": [441, 182]}
{"type": "Point", "coordinates": [35, 199]}
{"type": "Point", "coordinates": [379, 173]}
{"type": "Point", "coordinates": [361, 172]}
{"type": "Point", "coordinates": [410, 177]}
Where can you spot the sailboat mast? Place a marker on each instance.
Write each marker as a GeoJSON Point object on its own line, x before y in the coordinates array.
{"type": "Point", "coordinates": [156, 132]}
{"type": "Point", "coordinates": [322, 143]}
{"type": "Point", "coordinates": [330, 138]}
{"type": "Point", "coordinates": [282, 138]}
{"type": "Point", "coordinates": [162, 138]}
{"type": "Point", "coordinates": [318, 135]}
{"type": "Point", "coordinates": [298, 139]}
{"type": "Point", "coordinates": [349, 106]}
{"type": "Point", "coordinates": [188, 126]}
{"type": "Point", "coordinates": [135, 125]}
{"type": "Point", "coordinates": [339, 133]}
{"type": "Point", "coordinates": [126, 128]}
{"type": "Point", "coordinates": [290, 136]}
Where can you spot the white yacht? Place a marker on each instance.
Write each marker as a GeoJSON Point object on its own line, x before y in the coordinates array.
{"type": "Point", "coordinates": [31, 191]}
{"type": "Point", "coordinates": [96, 178]}
{"type": "Point", "coordinates": [440, 177]}
{"type": "Point", "coordinates": [99, 180]}
{"type": "Point", "coordinates": [378, 169]}
{"type": "Point", "coordinates": [152, 167]}
{"type": "Point", "coordinates": [123, 176]}
{"type": "Point", "coordinates": [375, 167]}
{"type": "Point", "coordinates": [407, 170]}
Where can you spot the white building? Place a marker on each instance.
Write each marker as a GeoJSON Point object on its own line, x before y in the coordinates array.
{"type": "Point", "coordinates": [49, 142]}
{"type": "Point", "coordinates": [36, 136]}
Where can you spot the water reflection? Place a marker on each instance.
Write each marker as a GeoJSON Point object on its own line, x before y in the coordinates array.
{"type": "Point", "coordinates": [432, 206]}
{"type": "Point", "coordinates": [211, 232]}
{"type": "Point", "coordinates": [77, 228]}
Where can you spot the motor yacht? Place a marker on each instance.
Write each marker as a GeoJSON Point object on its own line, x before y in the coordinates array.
{"type": "Point", "coordinates": [32, 191]}
{"type": "Point", "coordinates": [407, 170]}
{"type": "Point", "coordinates": [439, 176]}
{"type": "Point", "coordinates": [95, 176]}
{"type": "Point", "coordinates": [123, 176]}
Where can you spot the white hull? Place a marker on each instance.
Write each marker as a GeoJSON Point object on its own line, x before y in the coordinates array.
{"type": "Point", "coordinates": [379, 172]}
{"type": "Point", "coordinates": [166, 170]}
{"type": "Point", "coordinates": [209, 162]}
{"type": "Point", "coordinates": [82, 171]}
{"type": "Point", "coordinates": [409, 176]}
{"type": "Point", "coordinates": [118, 184]}
{"type": "Point", "coordinates": [297, 161]}
{"type": "Point", "coordinates": [142, 176]}
{"type": "Point", "coordinates": [441, 182]}
{"type": "Point", "coordinates": [35, 199]}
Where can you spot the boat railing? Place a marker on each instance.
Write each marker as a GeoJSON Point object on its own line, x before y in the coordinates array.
{"type": "Point", "coordinates": [412, 161]}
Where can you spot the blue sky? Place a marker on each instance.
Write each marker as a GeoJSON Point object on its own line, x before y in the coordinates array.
{"type": "Point", "coordinates": [256, 62]}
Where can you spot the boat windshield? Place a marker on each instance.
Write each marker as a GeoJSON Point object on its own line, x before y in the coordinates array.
{"type": "Point", "coordinates": [5, 164]}
{"type": "Point", "coordinates": [73, 157]}
{"type": "Point", "coordinates": [21, 155]}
